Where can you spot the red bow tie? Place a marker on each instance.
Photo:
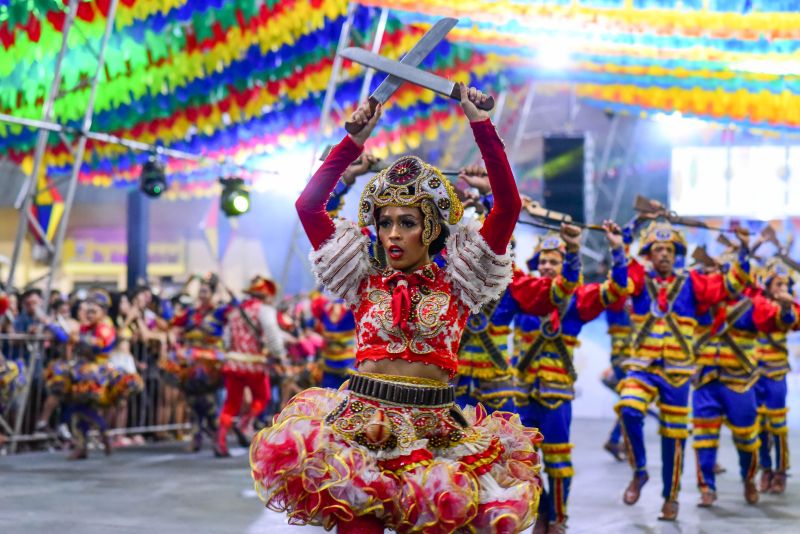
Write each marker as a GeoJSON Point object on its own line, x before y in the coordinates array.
{"type": "Point", "coordinates": [401, 298]}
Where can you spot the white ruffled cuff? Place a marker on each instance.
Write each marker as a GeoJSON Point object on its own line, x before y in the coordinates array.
{"type": "Point", "coordinates": [342, 262]}
{"type": "Point", "coordinates": [477, 273]}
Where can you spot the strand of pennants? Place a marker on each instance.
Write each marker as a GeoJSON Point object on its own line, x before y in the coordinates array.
{"type": "Point", "coordinates": [232, 122]}
{"type": "Point", "coordinates": [697, 70]}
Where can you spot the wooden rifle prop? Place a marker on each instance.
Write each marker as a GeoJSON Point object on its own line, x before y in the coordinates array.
{"type": "Point", "coordinates": [768, 234]}
{"type": "Point", "coordinates": [381, 164]}
{"type": "Point", "coordinates": [701, 256]}
{"type": "Point", "coordinates": [723, 240]}
{"type": "Point", "coordinates": [647, 206]}
{"type": "Point", "coordinates": [552, 220]}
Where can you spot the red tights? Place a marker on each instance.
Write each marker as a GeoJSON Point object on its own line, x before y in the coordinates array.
{"type": "Point", "coordinates": [234, 390]}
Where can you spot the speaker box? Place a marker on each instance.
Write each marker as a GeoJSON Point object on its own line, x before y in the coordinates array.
{"type": "Point", "coordinates": [564, 174]}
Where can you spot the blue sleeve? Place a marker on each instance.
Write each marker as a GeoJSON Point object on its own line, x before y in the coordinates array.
{"type": "Point", "coordinates": [572, 267]}
{"type": "Point", "coordinates": [222, 311]}
{"type": "Point", "coordinates": [58, 332]}
{"type": "Point", "coordinates": [627, 234]}
{"type": "Point", "coordinates": [336, 200]}
{"type": "Point", "coordinates": [619, 267]}
{"type": "Point", "coordinates": [167, 310]}
{"type": "Point", "coordinates": [488, 202]}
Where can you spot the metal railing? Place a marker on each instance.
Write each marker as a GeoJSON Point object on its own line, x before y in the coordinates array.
{"type": "Point", "coordinates": [23, 410]}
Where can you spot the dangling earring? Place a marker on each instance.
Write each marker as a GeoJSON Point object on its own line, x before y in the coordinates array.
{"type": "Point", "coordinates": [379, 254]}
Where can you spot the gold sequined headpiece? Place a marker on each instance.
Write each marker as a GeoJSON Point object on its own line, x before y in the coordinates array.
{"type": "Point", "coordinates": [663, 233]}
{"type": "Point", "coordinates": [410, 182]}
{"type": "Point", "coordinates": [551, 241]}
{"type": "Point", "coordinates": [775, 268]}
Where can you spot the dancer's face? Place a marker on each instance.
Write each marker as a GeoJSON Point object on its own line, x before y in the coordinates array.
{"type": "Point", "coordinates": [204, 294]}
{"type": "Point", "coordinates": [662, 256]}
{"type": "Point", "coordinates": [400, 232]}
{"type": "Point", "coordinates": [94, 313]}
{"type": "Point", "coordinates": [778, 286]}
{"type": "Point", "coordinates": [550, 263]}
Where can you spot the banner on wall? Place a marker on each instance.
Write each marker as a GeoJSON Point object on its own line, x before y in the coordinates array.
{"type": "Point", "coordinates": [98, 257]}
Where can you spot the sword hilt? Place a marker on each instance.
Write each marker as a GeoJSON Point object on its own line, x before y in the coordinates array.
{"type": "Point", "coordinates": [488, 105]}
{"type": "Point", "coordinates": [354, 128]}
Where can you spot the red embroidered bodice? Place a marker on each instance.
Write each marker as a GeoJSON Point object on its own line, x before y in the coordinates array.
{"type": "Point", "coordinates": [428, 329]}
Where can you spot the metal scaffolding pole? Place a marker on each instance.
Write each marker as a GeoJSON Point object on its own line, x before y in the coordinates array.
{"type": "Point", "coordinates": [27, 194]}
{"type": "Point", "coordinates": [81, 148]}
{"type": "Point", "coordinates": [622, 184]}
{"type": "Point", "coordinates": [28, 191]}
{"type": "Point", "coordinates": [128, 143]}
{"type": "Point", "coordinates": [327, 104]}
{"type": "Point", "coordinates": [377, 41]}
{"type": "Point", "coordinates": [527, 105]}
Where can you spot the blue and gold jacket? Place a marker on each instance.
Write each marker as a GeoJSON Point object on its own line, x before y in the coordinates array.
{"type": "Point", "coordinates": [545, 344]}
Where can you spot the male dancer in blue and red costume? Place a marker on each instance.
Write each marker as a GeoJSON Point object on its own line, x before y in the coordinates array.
{"type": "Point", "coordinates": [773, 364]}
{"type": "Point", "coordinates": [727, 372]}
{"type": "Point", "coordinates": [664, 311]}
{"type": "Point", "coordinates": [485, 373]}
{"type": "Point", "coordinates": [545, 353]}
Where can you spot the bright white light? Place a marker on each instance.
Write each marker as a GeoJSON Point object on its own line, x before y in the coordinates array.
{"type": "Point", "coordinates": [769, 66]}
{"type": "Point", "coordinates": [241, 203]}
{"type": "Point", "coordinates": [554, 56]}
{"type": "Point", "coordinates": [293, 166]}
{"type": "Point", "coordinates": [676, 126]}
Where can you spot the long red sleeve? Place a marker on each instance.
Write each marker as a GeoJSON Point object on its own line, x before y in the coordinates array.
{"type": "Point", "coordinates": [532, 293]}
{"type": "Point", "coordinates": [311, 203]}
{"type": "Point", "coordinates": [499, 225]}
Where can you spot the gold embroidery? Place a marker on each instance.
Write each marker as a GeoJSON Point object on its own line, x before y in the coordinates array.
{"type": "Point", "coordinates": [428, 322]}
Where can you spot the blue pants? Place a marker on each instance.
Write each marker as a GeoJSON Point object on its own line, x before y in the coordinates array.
{"type": "Point", "coordinates": [772, 410]}
{"type": "Point", "coordinates": [712, 403]}
{"type": "Point", "coordinates": [616, 431]}
{"type": "Point", "coordinates": [637, 390]}
{"type": "Point", "coordinates": [497, 395]}
{"type": "Point", "coordinates": [554, 424]}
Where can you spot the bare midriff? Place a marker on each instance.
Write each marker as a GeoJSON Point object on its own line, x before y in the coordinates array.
{"type": "Point", "coordinates": [403, 368]}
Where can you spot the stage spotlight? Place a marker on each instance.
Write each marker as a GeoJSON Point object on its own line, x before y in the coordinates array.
{"type": "Point", "coordinates": [153, 181]}
{"type": "Point", "coordinates": [235, 197]}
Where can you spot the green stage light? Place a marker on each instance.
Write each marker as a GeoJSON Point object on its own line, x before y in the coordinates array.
{"type": "Point", "coordinates": [235, 197]}
{"type": "Point", "coordinates": [152, 180]}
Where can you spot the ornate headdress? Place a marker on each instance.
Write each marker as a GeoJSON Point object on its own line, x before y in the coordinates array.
{"type": "Point", "coordinates": [663, 233]}
{"type": "Point", "coordinates": [410, 182]}
{"type": "Point", "coordinates": [262, 287]}
{"type": "Point", "coordinates": [100, 297]}
{"type": "Point", "coordinates": [775, 268]}
{"type": "Point", "coordinates": [549, 241]}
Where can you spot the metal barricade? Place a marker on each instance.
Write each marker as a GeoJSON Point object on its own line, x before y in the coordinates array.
{"type": "Point", "coordinates": [18, 420]}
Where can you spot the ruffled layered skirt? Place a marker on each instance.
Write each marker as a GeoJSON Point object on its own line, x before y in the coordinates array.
{"type": "Point", "coordinates": [88, 382]}
{"type": "Point", "coordinates": [195, 370]}
{"type": "Point", "coordinates": [12, 380]}
{"type": "Point", "coordinates": [331, 456]}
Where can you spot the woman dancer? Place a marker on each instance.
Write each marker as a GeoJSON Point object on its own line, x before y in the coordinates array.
{"type": "Point", "coordinates": [391, 449]}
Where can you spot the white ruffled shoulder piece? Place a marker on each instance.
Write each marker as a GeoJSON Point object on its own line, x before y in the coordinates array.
{"type": "Point", "coordinates": [477, 273]}
{"type": "Point", "coordinates": [342, 262]}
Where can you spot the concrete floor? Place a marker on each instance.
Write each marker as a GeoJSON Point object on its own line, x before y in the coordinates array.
{"type": "Point", "coordinates": [163, 490]}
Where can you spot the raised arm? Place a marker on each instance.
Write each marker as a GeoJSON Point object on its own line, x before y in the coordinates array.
{"type": "Point", "coordinates": [499, 225]}
{"type": "Point", "coordinates": [592, 299]}
{"type": "Point", "coordinates": [312, 201]}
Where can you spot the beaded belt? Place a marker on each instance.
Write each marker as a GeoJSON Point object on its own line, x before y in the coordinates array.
{"type": "Point", "coordinates": [402, 393]}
